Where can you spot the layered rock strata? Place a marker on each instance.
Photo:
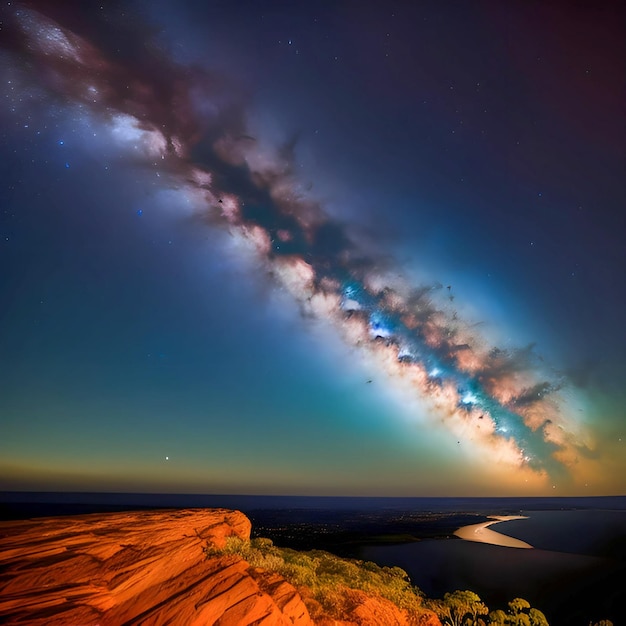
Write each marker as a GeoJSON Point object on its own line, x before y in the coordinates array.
{"type": "Point", "coordinates": [151, 568]}
{"type": "Point", "coordinates": [144, 567]}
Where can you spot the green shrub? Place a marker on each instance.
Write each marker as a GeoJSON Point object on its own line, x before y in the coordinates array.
{"type": "Point", "coordinates": [326, 576]}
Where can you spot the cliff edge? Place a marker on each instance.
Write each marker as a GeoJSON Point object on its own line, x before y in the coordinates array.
{"type": "Point", "coordinates": [151, 567]}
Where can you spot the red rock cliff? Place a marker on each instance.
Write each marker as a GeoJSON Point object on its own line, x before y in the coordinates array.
{"type": "Point", "coordinates": [150, 568]}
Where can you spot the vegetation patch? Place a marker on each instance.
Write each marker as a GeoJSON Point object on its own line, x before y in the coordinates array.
{"type": "Point", "coordinates": [326, 583]}
{"type": "Point", "coordinates": [327, 578]}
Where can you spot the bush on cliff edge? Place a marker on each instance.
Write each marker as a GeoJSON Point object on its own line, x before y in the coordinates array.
{"type": "Point", "coordinates": [326, 577]}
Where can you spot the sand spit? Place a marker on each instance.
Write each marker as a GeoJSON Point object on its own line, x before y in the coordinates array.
{"type": "Point", "coordinates": [481, 533]}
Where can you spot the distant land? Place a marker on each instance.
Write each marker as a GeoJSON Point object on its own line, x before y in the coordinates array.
{"type": "Point", "coordinates": [46, 502]}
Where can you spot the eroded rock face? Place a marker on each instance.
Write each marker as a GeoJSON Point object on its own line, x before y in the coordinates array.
{"type": "Point", "coordinates": [150, 568]}
{"type": "Point", "coordinates": [361, 609]}
{"type": "Point", "coordinates": [145, 567]}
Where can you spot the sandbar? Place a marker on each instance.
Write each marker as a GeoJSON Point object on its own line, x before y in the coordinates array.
{"type": "Point", "coordinates": [481, 533]}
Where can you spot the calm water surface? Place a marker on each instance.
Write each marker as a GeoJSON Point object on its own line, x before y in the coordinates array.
{"type": "Point", "coordinates": [574, 573]}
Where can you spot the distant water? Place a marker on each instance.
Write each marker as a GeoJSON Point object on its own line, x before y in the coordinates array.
{"type": "Point", "coordinates": [573, 574]}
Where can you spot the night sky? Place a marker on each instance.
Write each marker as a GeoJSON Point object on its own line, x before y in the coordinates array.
{"type": "Point", "coordinates": [334, 248]}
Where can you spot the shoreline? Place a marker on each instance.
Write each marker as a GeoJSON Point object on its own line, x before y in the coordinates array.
{"type": "Point", "coordinates": [482, 534]}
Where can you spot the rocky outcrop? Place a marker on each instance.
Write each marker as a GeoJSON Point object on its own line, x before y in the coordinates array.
{"type": "Point", "coordinates": [151, 568]}
{"type": "Point", "coordinates": [147, 567]}
{"type": "Point", "coordinates": [372, 611]}
{"type": "Point", "coordinates": [361, 609]}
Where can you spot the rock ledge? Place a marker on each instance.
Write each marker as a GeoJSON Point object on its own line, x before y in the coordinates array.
{"type": "Point", "coordinates": [151, 568]}
{"type": "Point", "coordinates": [145, 567]}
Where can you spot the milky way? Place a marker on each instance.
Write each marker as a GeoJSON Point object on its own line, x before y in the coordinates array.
{"type": "Point", "coordinates": [189, 127]}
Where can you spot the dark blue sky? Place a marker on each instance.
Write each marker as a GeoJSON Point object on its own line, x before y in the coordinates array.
{"type": "Point", "coordinates": [220, 223]}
